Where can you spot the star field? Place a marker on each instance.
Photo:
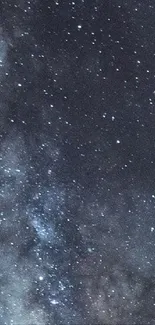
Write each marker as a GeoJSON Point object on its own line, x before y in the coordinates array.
{"type": "Point", "coordinates": [77, 157]}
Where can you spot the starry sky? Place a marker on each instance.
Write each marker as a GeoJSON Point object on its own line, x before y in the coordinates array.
{"type": "Point", "coordinates": [77, 162]}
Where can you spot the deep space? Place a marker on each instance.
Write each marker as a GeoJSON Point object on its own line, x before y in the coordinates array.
{"type": "Point", "coordinates": [77, 162]}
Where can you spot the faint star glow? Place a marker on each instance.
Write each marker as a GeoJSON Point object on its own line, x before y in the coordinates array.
{"type": "Point", "coordinates": [41, 278]}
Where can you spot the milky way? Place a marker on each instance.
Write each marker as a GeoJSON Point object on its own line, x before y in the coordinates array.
{"type": "Point", "coordinates": [77, 155]}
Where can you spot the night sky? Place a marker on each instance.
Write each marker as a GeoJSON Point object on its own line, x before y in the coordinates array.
{"type": "Point", "coordinates": [77, 162]}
